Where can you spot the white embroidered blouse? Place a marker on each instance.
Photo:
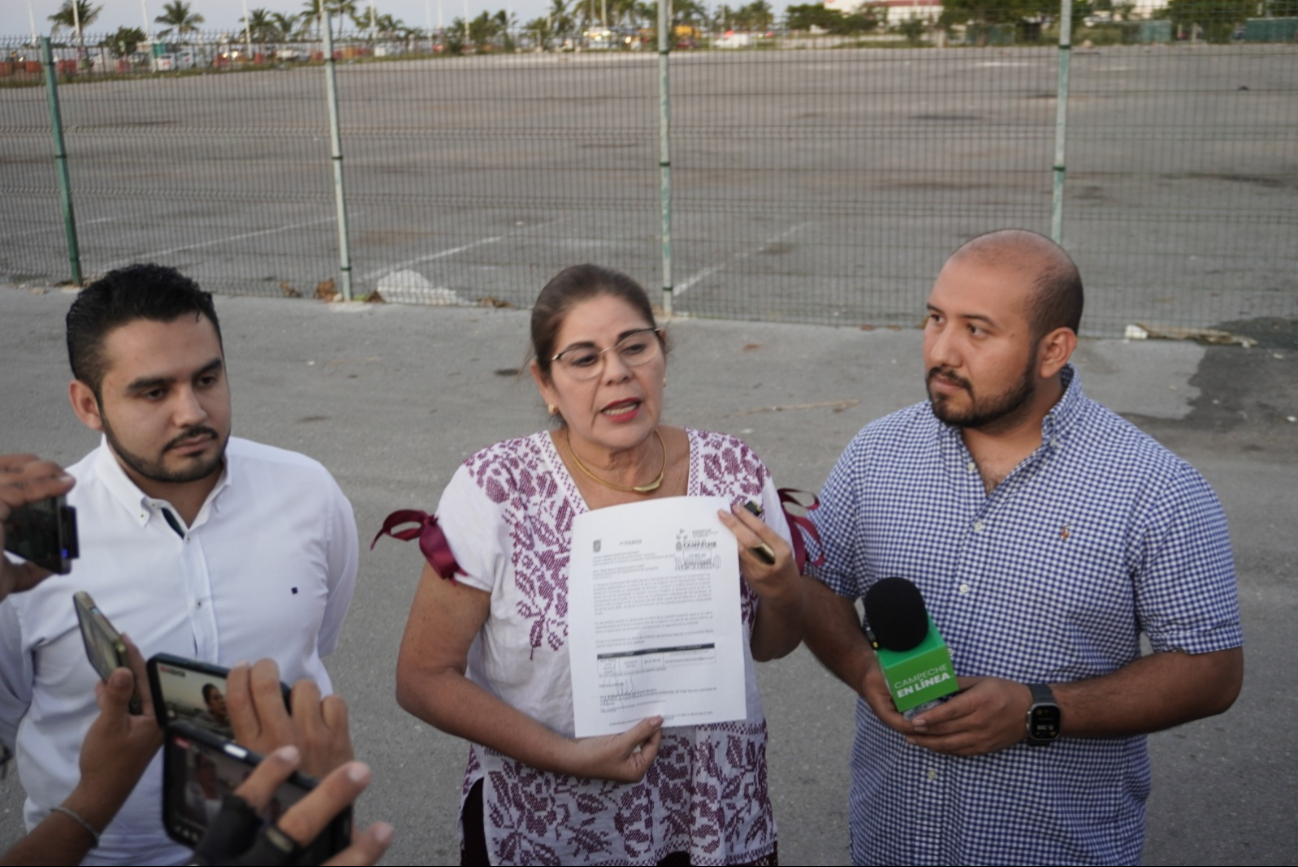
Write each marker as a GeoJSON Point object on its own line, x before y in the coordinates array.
{"type": "Point", "coordinates": [507, 515]}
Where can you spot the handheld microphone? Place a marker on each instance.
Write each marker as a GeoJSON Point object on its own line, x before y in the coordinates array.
{"type": "Point", "coordinates": [915, 660]}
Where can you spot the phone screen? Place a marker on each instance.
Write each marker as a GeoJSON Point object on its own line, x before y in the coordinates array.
{"type": "Point", "coordinates": [190, 693]}
{"type": "Point", "coordinates": [44, 533]}
{"type": "Point", "coordinates": [202, 768]}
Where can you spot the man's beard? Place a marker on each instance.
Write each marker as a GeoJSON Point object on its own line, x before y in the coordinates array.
{"type": "Point", "coordinates": [982, 412]}
{"type": "Point", "coordinates": [156, 471]}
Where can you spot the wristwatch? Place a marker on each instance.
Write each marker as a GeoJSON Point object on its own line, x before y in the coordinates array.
{"type": "Point", "coordinates": [1044, 716]}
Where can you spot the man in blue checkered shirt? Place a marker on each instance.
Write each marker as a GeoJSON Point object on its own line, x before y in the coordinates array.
{"type": "Point", "coordinates": [1046, 534]}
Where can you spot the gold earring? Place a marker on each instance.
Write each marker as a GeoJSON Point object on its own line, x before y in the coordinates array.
{"type": "Point", "coordinates": [554, 410]}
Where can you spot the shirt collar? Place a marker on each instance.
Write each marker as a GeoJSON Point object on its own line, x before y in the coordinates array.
{"type": "Point", "coordinates": [1067, 410]}
{"type": "Point", "coordinates": [138, 504]}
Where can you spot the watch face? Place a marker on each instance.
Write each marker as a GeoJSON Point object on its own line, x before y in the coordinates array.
{"type": "Point", "coordinates": [1043, 722]}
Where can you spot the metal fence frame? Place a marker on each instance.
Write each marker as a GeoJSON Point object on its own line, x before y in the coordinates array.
{"type": "Point", "coordinates": [70, 64]}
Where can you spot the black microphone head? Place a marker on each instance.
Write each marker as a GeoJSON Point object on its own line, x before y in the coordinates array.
{"type": "Point", "coordinates": [895, 611]}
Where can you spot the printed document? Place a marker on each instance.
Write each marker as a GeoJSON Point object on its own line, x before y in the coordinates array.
{"type": "Point", "coordinates": [654, 626]}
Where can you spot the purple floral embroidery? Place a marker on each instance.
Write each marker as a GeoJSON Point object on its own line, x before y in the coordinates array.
{"type": "Point", "coordinates": [706, 793]}
{"type": "Point", "coordinates": [514, 475]}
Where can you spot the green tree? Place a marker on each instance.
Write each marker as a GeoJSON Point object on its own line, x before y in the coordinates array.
{"type": "Point", "coordinates": [489, 30]}
{"type": "Point", "coordinates": [808, 15]}
{"type": "Point", "coordinates": [540, 32]}
{"type": "Point", "coordinates": [690, 13]}
{"type": "Point", "coordinates": [913, 29]}
{"type": "Point", "coordinates": [864, 20]}
{"type": "Point", "coordinates": [1217, 18]}
{"type": "Point", "coordinates": [1001, 11]}
{"type": "Point", "coordinates": [179, 19]}
{"type": "Point", "coordinates": [285, 23]}
{"type": "Point", "coordinates": [77, 21]}
{"type": "Point", "coordinates": [645, 12]}
{"type": "Point", "coordinates": [453, 38]}
{"type": "Point", "coordinates": [622, 11]}
{"type": "Point", "coordinates": [341, 10]}
{"type": "Point", "coordinates": [123, 42]}
{"type": "Point", "coordinates": [260, 28]}
{"type": "Point", "coordinates": [755, 16]}
{"type": "Point", "coordinates": [312, 14]}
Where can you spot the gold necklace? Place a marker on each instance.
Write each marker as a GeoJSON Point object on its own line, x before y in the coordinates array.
{"type": "Point", "coordinates": [636, 489]}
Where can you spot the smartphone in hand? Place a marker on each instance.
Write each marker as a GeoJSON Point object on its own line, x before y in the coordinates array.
{"type": "Point", "coordinates": [104, 645]}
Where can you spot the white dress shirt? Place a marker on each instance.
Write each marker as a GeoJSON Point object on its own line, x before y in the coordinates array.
{"type": "Point", "coordinates": [266, 570]}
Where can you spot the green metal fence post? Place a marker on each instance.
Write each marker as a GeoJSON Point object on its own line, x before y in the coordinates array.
{"type": "Point", "coordinates": [665, 147]}
{"type": "Point", "coordinates": [1061, 120]}
{"type": "Point", "coordinates": [61, 162]}
{"type": "Point", "coordinates": [336, 150]}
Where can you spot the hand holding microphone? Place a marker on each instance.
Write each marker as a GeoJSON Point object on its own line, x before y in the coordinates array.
{"type": "Point", "coordinates": [914, 674]}
{"type": "Point", "coordinates": [912, 656]}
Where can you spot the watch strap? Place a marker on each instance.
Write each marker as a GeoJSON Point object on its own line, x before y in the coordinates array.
{"type": "Point", "coordinates": [1042, 695]}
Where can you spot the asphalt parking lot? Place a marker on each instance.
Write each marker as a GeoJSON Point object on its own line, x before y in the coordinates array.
{"type": "Point", "coordinates": [393, 398]}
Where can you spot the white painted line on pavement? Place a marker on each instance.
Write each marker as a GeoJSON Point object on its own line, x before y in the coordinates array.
{"type": "Point", "coordinates": [400, 266]}
{"type": "Point", "coordinates": [441, 254]}
{"type": "Point", "coordinates": [58, 228]}
{"type": "Point", "coordinates": [682, 287]}
{"type": "Point", "coordinates": [144, 257]}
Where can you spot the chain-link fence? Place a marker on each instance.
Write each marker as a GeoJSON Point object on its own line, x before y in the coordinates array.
{"type": "Point", "coordinates": [814, 176]}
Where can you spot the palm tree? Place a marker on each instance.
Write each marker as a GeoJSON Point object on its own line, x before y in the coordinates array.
{"type": "Point", "coordinates": [341, 10]}
{"type": "Point", "coordinates": [178, 17]}
{"type": "Point", "coordinates": [312, 13]}
{"type": "Point", "coordinates": [366, 20]}
{"type": "Point", "coordinates": [123, 42]}
{"type": "Point", "coordinates": [389, 26]}
{"type": "Point", "coordinates": [77, 19]}
{"type": "Point", "coordinates": [259, 27]}
{"type": "Point", "coordinates": [283, 23]}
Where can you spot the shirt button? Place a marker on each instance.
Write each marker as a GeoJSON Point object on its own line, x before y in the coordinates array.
{"type": "Point", "coordinates": [198, 604]}
{"type": "Point", "coordinates": [973, 468]}
{"type": "Point", "coordinates": [978, 526]}
{"type": "Point", "coordinates": [932, 774]}
{"type": "Point", "coordinates": [964, 588]}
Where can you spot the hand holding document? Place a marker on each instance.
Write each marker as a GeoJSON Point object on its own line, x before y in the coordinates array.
{"type": "Point", "coordinates": [654, 625]}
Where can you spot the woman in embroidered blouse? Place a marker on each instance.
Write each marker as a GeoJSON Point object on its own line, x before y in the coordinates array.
{"type": "Point", "coordinates": [485, 656]}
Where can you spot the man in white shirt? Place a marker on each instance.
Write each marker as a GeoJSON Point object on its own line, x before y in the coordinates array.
{"type": "Point", "coordinates": [192, 542]}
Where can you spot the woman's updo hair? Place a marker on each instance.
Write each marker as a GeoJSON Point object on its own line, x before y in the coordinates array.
{"type": "Point", "coordinates": [566, 290]}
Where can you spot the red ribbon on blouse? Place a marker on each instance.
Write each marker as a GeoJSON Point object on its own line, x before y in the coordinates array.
{"type": "Point", "coordinates": [804, 525]}
{"type": "Point", "coordinates": [432, 541]}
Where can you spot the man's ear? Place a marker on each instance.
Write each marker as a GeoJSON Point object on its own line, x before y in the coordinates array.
{"type": "Point", "coordinates": [85, 405]}
{"type": "Point", "coordinates": [1054, 351]}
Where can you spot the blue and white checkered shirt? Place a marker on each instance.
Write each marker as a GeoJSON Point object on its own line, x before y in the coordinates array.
{"type": "Point", "coordinates": [1098, 536]}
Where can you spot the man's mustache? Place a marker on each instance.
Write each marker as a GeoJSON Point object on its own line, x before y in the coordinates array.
{"type": "Point", "coordinates": [190, 434]}
{"type": "Point", "coordinates": [949, 376]}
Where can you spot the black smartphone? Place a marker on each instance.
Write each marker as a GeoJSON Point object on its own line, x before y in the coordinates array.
{"type": "Point", "coordinates": [44, 533]}
{"type": "Point", "coordinates": [104, 646]}
{"type": "Point", "coordinates": [190, 691]}
{"type": "Point", "coordinates": [200, 768]}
